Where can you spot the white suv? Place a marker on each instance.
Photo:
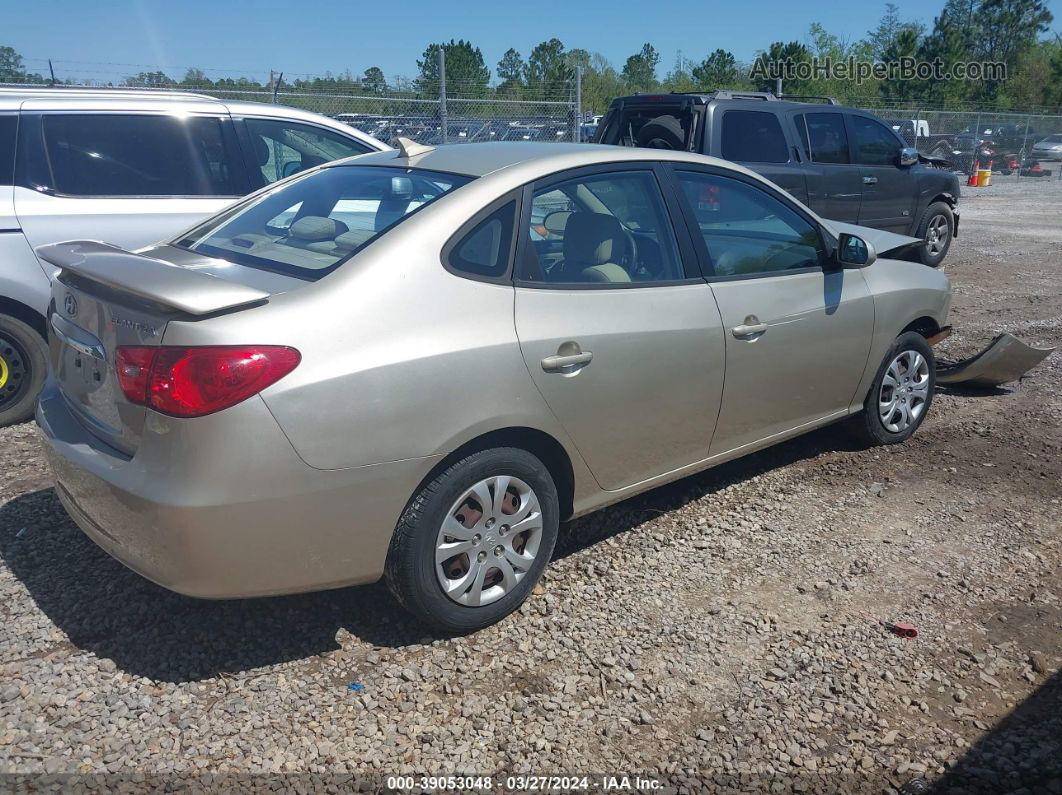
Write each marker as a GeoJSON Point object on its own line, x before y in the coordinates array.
{"type": "Point", "coordinates": [130, 168]}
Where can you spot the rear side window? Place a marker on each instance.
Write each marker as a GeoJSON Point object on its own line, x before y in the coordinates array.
{"type": "Point", "coordinates": [125, 155]}
{"type": "Point", "coordinates": [874, 144]}
{"type": "Point", "coordinates": [313, 224]}
{"type": "Point", "coordinates": [485, 250]}
{"type": "Point", "coordinates": [8, 125]}
{"type": "Point", "coordinates": [825, 137]}
{"type": "Point", "coordinates": [752, 136]}
{"type": "Point", "coordinates": [283, 148]}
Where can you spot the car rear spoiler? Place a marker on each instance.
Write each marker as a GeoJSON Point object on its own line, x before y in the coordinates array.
{"type": "Point", "coordinates": [1005, 359]}
{"type": "Point", "coordinates": [183, 289]}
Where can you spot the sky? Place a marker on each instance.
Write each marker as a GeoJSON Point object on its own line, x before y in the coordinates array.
{"type": "Point", "coordinates": [107, 39]}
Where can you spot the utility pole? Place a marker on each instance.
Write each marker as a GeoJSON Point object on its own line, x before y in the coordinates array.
{"type": "Point", "coordinates": [778, 87]}
{"type": "Point", "coordinates": [442, 95]}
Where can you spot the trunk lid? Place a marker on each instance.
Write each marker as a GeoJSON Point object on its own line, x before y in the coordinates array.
{"type": "Point", "coordinates": [105, 297]}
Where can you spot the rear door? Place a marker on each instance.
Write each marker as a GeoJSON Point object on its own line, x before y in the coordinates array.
{"type": "Point", "coordinates": [797, 331]}
{"type": "Point", "coordinates": [889, 190]}
{"type": "Point", "coordinates": [756, 139]}
{"type": "Point", "coordinates": [617, 329]}
{"type": "Point", "coordinates": [834, 186]}
{"type": "Point", "coordinates": [128, 178]}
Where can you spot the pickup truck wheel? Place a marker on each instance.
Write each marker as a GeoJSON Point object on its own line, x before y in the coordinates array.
{"type": "Point", "coordinates": [23, 365]}
{"type": "Point", "coordinates": [473, 542]}
{"type": "Point", "coordinates": [663, 132]}
{"type": "Point", "coordinates": [935, 231]}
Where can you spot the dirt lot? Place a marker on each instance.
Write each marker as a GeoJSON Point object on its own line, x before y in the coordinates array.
{"type": "Point", "coordinates": [712, 634]}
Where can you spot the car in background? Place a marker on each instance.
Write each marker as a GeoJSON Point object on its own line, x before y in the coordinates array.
{"type": "Point", "coordinates": [1050, 148]}
{"type": "Point", "coordinates": [128, 167]}
{"type": "Point", "coordinates": [401, 379]}
{"type": "Point", "coordinates": [844, 163]}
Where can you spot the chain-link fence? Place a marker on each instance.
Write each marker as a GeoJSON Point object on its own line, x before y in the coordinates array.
{"type": "Point", "coordinates": [1022, 144]}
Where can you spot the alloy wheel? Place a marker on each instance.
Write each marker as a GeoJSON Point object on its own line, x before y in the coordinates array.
{"type": "Point", "coordinates": [904, 391]}
{"type": "Point", "coordinates": [488, 541]}
{"type": "Point", "coordinates": [937, 234]}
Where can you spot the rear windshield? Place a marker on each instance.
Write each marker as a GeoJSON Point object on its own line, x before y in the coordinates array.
{"type": "Point", "coordinates": [654, 127]}
{"type": "Point", "coordinates": [312, 225]}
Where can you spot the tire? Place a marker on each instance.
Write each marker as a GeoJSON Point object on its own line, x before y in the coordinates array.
{"type": "Point", "coordinates": [870, 425]}
{"type": "Point", "coordinates": [415, 578]}
{"type": "Point", "coordinates": [937, 223]}
{"type": "Point", "coordinates": [23, 367]}
{"type": "Point", "coordinates": [663, 132]}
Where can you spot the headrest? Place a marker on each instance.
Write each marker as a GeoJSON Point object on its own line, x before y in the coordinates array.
{"type": "Point", "coordinates": [593, 239]}
{"type": "Point", "coordinates": [315, 228]}
{"type": "Point", "coordinates": [401, 189]}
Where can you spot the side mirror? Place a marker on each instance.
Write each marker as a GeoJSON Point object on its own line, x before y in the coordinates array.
{"type": "Point", "coordinates": [556, 221]}
{"type": "Point", "coordinates": [908, 156]}
{"type": "Point", "coordinates": [855, 252]}
{"type": "Point", "coordinates": [290, 167]}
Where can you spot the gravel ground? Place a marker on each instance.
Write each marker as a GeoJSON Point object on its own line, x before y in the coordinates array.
{"type": "Point", "coordinates": [713, 634]}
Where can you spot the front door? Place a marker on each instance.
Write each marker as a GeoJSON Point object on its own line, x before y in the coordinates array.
{"type": "Point", "coordinates": [623, 342]}
{"type": "Point", "coordinates": [888, 188]}
{"type": "Point", "coordinates": [797, 332]}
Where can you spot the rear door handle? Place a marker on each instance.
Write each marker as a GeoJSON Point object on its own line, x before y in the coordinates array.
{"type": "Point", "coordinates": [559, 362]}
{"type": "Point", "coordinates": [744, 331]}
{"type": "Point", "coordinates": [870, 180]}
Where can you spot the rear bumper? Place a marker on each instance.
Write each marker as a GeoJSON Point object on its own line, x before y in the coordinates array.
{"type": "Point", "coordinates": [222, 507]}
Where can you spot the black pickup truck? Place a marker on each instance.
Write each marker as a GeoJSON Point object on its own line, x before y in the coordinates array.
{"type": "Point", "coordinates": [844, 163]}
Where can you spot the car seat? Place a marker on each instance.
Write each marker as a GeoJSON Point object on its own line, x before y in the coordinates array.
{"type": "Point", "coordinates": [594, 246]}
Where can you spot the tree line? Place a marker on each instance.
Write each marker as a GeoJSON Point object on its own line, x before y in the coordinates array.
{"type": "Point", "coordinates": [1011, 32]}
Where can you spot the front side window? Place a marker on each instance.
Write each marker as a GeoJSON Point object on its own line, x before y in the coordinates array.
{"type": "Point", "coordinates": [746, 230]}
{"type": "Point", "coordinates": [126, 155]}
{"type": "Point", "coordinates": [753, 136]}
{"type": "Point", "coordinates": [825, 137]}
{"type": "Point", "coordinates": [283, 148]}
{"type": "Point", "coordinates": [874, 144]}
{"type": "Point", "coordinates": [606, 228]}
{"type": "Point", "coordinates": [314, 224]}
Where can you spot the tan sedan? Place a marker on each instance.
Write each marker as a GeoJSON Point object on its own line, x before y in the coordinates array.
{"type": "Point", "coordinates": [416, 364]}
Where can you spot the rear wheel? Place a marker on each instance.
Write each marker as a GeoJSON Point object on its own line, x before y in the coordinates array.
{"type": "Point", "coordinates": [23, 365]}
{"type": "Point", "coordinates": [935, 231]}
{"type": "Point", "coordinates": [474, 541]}
{"type": "Point", "coordinates": [901, 394]}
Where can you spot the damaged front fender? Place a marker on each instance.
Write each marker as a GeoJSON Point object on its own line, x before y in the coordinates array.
{"type": "Point", "coordinates": [1005, 359]}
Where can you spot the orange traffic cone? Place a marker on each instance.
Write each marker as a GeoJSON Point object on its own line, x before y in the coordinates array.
{"type": "Point", "coordinates": [972, 181]}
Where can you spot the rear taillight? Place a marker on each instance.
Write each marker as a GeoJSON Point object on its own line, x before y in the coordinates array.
{"type": "Point", "coordinates": [192, 382]}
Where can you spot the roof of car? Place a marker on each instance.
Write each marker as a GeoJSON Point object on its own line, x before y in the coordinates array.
{"type": "Point", "coordinates": [480, 159]}
{"type": "Point", "coordinates": [72, 98]}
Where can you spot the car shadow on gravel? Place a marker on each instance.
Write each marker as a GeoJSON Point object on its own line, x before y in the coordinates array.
{"type": "Point", "coordinates": [1022, 753]}
{"type": "Point", "coordinates": [114, 613]}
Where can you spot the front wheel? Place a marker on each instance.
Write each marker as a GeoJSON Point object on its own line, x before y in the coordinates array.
{"type": "Point", "coordinates": [935, 231]}
{"type": "Point", "coordinates": [23, 365]}
{"type": "Point", "coordinates": [901, 394]}
{"type": "Point", "coordinates": [474, 541]}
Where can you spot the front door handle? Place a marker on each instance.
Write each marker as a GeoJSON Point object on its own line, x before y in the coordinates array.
{"type": "Point", "coordinates": [870, 180]}
{"type": "Point", "coordinates": [560, 362]}
{"type": "Point", "coordinates": [746, 330]}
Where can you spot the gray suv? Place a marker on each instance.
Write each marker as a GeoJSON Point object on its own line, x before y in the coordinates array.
{"type": "Point", "coordinates": [129, 168]}
{"type": "Point", "coordinates": [844, 163]}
